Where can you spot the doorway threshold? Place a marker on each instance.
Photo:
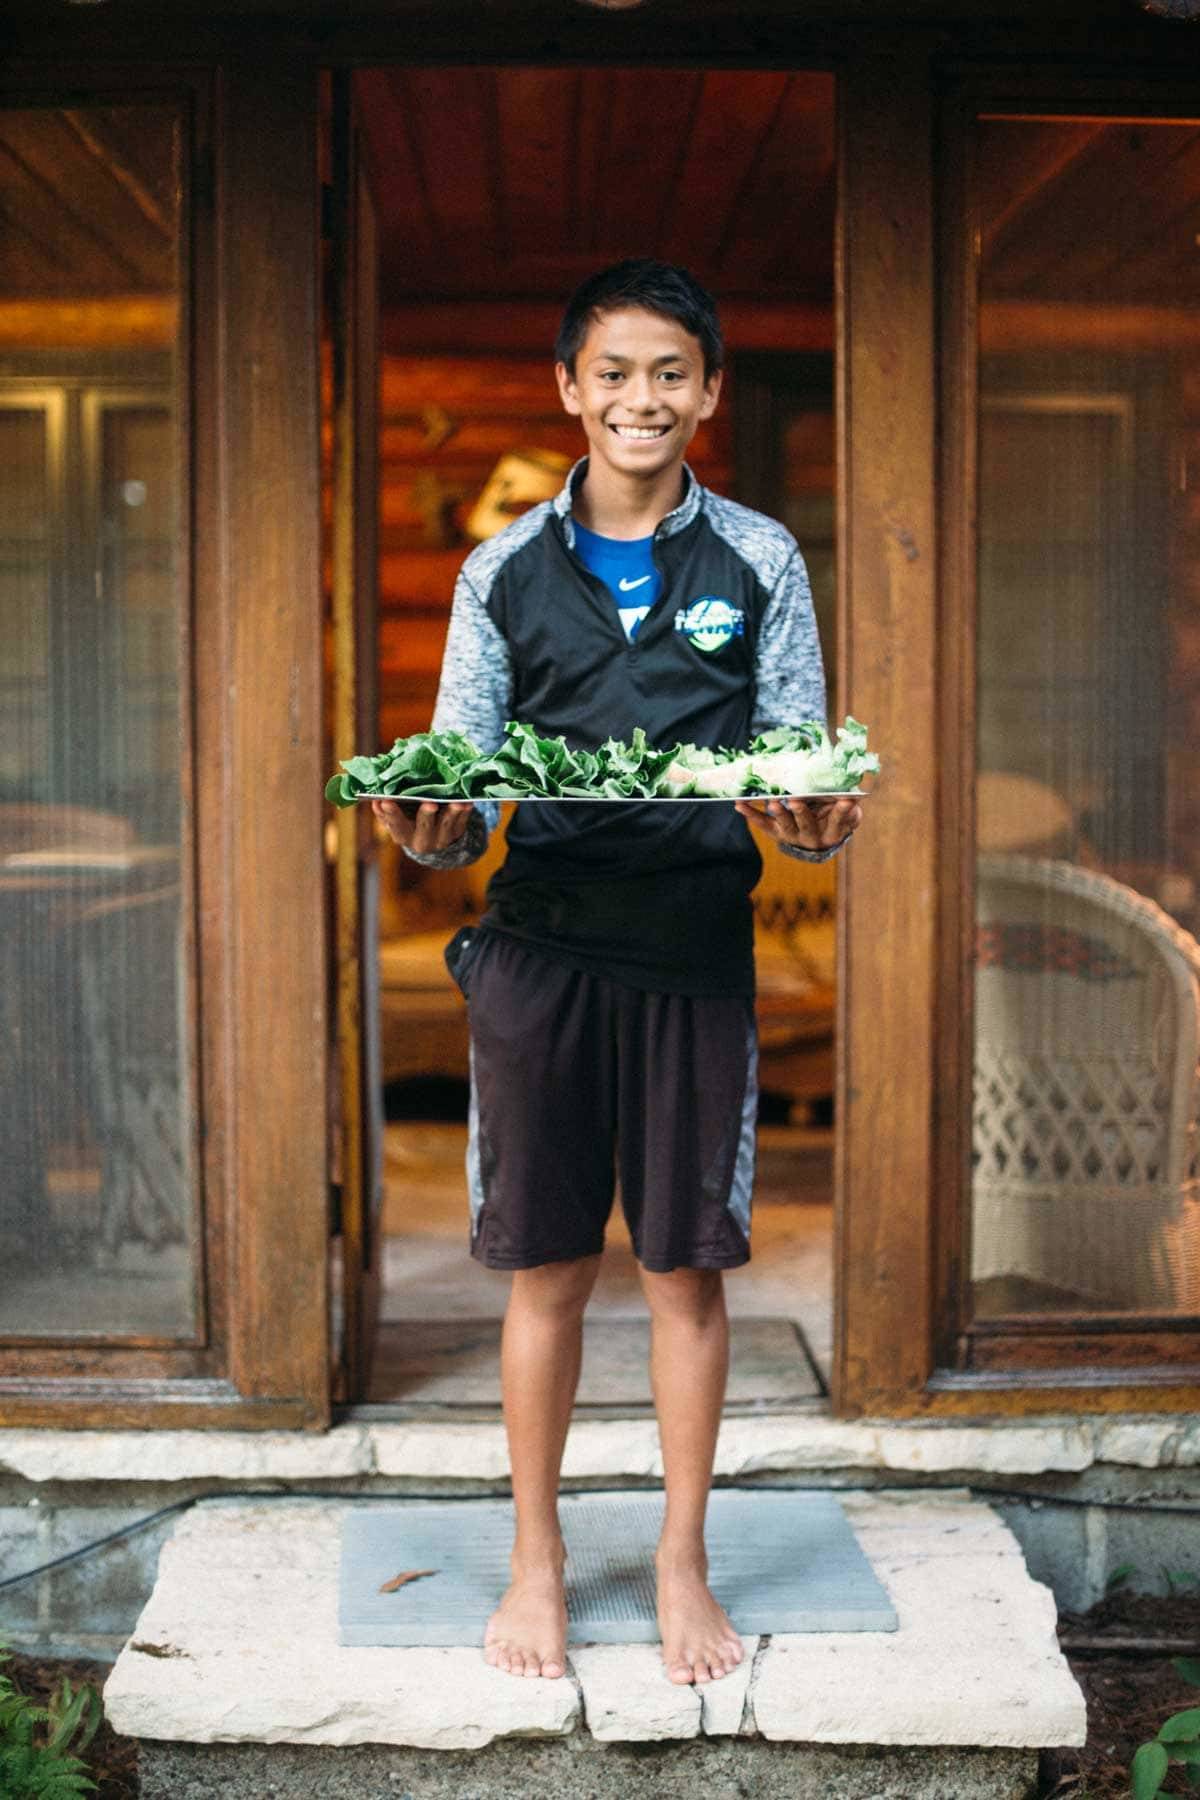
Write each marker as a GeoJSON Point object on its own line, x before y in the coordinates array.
{"type": "Point", "coordinates": [451, 1367]}
{"type": "Point", "coordinates": [374, 1412]}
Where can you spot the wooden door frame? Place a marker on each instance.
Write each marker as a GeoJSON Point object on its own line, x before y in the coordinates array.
{"type": "Point", "coordinates": [253, 866]}
{"type": "Point", "coordinates": [907, 600]}
{"type": "Point", "coordinates": [355, 363]}
{"type": "Point", "coordinates": [901, 604]}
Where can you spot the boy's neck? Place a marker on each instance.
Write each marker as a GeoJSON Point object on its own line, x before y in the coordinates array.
{"type": "Point", "coordinates": [626, 506]}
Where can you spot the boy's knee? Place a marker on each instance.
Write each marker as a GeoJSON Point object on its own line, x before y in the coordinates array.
{"type": "Point", "coordinates": [691, 1294]}
{"type": "Point", "coordinates": [556, 1288]}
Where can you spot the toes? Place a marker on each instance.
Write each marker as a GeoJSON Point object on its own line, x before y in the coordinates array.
{"type": "Point", "coordinates": [680, 1672]}
{"type": "Point", "coordinates": [490, 1654]}
{"type": "Point", "coordinates": [532, 1665]}
{"type": "Point", "coordinates": [516, 1663]}
{"type": "Point", "coordinates": [702, 1673]}
{"type": "Point", "coordinates": [553, 1668]}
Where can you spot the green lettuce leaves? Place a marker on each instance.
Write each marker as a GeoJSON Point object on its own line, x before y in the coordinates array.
{"type": "Point", "coordinates": [445, 765]}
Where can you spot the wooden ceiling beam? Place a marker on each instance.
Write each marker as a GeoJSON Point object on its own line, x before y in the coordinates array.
{"type": "Point", "coordinates": [1019, 325]}
{"type": "Point", "coordinates": [457, 327]}
{"type": "Point", "coordinates": [1034, 161]}
{"type": "Point", "coordinates": [94, 142]}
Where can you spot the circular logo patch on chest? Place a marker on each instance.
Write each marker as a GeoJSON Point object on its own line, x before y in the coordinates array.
{"type": "Point", "coordinates": [710, 622]}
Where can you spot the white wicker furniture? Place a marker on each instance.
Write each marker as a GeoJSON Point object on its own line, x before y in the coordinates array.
{"type": "Point", "coordinates": [1085, 1144]}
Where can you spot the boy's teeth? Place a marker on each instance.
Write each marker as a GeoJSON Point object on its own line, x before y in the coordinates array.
{"type": "Point", "coordinates": [639, 431]}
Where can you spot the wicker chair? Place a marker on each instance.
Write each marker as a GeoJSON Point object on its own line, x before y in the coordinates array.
{"type": "Point", "coordinates": [1087, 1035]}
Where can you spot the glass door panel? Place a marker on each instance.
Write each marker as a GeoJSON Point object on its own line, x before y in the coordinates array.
{"type": "Point", "coordinates": [1085, 1201]}
{"type": "Point", "coordinates": [99, 1191]}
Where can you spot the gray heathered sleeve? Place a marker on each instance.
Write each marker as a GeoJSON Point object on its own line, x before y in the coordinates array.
{"type": "Point", "coordinates": [789, 674]}
{"type": "Point", "coordinates": [789, 671]}
{"type": "Point", "coordinates": [474, 696]}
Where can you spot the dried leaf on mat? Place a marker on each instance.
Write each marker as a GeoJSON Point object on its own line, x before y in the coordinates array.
{"type": "Point", "coordinates": [405, 1575]}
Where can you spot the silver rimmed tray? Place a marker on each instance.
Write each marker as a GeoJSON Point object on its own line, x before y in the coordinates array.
{"type": "Point", "coordinates": [620, 800]}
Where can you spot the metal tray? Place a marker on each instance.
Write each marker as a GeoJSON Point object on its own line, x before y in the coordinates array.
{"type": "Point", "coordinates": [623, 800]}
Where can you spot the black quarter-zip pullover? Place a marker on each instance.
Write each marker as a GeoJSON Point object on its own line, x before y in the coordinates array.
{"type": "Point", "coordinates": [655, 895]}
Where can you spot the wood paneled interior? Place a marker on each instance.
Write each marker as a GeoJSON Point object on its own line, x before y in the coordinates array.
{"type": "Point", "coordinates": [518, 183]}
{"type": "Point", "coordinates": [499, 190]}
{"type": "Point", "coordinates": [90, 202]}
{"type": "Point", "coordinates": [1098, 211]}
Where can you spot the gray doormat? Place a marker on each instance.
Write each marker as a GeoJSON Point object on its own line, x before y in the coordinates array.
{"type": "Point", "coordinates": [456, 1362]}
{"type": "Point", "coordinates": [777, 1562]}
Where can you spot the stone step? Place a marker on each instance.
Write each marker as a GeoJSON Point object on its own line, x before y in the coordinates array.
{"type": "Point", "coordinates": [238, 1649]}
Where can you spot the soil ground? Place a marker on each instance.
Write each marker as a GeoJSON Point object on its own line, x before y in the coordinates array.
{"type": "Point", "coordinates": [1128, 1697]}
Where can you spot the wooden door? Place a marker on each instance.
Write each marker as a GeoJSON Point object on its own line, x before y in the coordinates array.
{"type": "Point", "coordinates": [354, 282]}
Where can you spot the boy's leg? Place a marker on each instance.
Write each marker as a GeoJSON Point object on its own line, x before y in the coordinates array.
{"type": "Point", "coordinates": [540, 1167]}
{"type": "Point", "coordinates": [689, 1361]}
{"type": "Point", "coordinates": [687, 1110]}
{"type": "Point", "coordinates": [540, 1351]}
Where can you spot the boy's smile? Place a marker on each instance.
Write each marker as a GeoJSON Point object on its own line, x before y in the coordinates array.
{"type": "Point", "coordinates": [639, 390]}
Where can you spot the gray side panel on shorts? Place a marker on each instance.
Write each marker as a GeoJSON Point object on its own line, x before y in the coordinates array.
{"type": "Point", "coordinates": [741, 1187]}
{"type": "Point", "coordinates": [474, 1170]}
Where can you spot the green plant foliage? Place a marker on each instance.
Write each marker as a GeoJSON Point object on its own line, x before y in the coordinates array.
{"type": "Point", "coordinates": [1148, 1769]}
{"type": "Point", "coordinates": [1181, 1728]}
{"type": "Point", "coordinates": [445, 765]}
{"type": "Point", "coordinates": [1178, 1741]}
{"type": "Point", "coordinates": [39, 1744]}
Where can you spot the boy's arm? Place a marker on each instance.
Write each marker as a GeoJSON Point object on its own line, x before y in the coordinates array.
{"type": "Point", "coordinates": [789, 673]}
{"type": "Point", "coordinates": [474, 696]}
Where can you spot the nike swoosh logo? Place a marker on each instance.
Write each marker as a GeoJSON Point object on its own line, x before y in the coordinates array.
{"type": "Point", "coordinates": [627, 587]}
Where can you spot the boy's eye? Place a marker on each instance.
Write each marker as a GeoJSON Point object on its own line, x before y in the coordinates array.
{"type": "Point", "coordinates": [610, 375]}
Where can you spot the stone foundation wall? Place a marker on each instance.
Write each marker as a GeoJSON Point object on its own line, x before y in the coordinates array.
{"type": "Point", "coordinates": [531, 1770]}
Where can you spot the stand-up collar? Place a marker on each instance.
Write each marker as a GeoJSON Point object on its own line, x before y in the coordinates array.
{"type": "Point", "coordinates": [675, 521]}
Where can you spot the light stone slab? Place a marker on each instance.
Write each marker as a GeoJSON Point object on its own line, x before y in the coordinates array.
{"type": "Point", "coordinates": [1149, 1443]}
{"type": "Point", "coordinates": [975, 1660]}
{"type": "Point", "coordinates": [620, 1448]}
{"type": "Point", "coordinates": [183, 1455]}
{"type": "Point", "coordinates": [437, 1450]}
{"type": "Point", "coordinates": [723, 1702]}
{"type": "Point", "coordinates": [628, 1696]}
{"type": "Point", "coordinates": [238, 1644]}
{"type": "Point", "coordinates": [442, 1449]}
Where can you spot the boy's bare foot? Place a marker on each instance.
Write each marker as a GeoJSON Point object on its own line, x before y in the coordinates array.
{"type": "Point", "coordinates": [699, 1643]}
{"type": "Point", "coordinates": [527, 1633]}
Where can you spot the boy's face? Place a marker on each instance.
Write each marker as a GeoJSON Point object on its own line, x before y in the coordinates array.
{"type": "Point", "coordinates": [639, 390]}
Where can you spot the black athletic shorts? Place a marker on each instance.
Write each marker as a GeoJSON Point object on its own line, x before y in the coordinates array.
{"type": "Point", "coordinates": [574, 1078]}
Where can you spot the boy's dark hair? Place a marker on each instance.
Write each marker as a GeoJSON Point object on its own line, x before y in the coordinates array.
{"type": "Point", "coordinates": [659, 287]}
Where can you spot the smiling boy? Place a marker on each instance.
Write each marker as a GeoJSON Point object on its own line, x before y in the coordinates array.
{"type": "Point", "coordinates": [611, 980]}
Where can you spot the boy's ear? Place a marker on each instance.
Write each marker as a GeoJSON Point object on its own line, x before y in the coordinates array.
{"type": "Point", "coordinates": [568, 393]}
{"type": "Point", "coordinates": [712, 393]}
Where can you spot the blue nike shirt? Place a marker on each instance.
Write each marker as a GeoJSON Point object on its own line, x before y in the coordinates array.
{"type": "Point", "coordinates": [626, 567]}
